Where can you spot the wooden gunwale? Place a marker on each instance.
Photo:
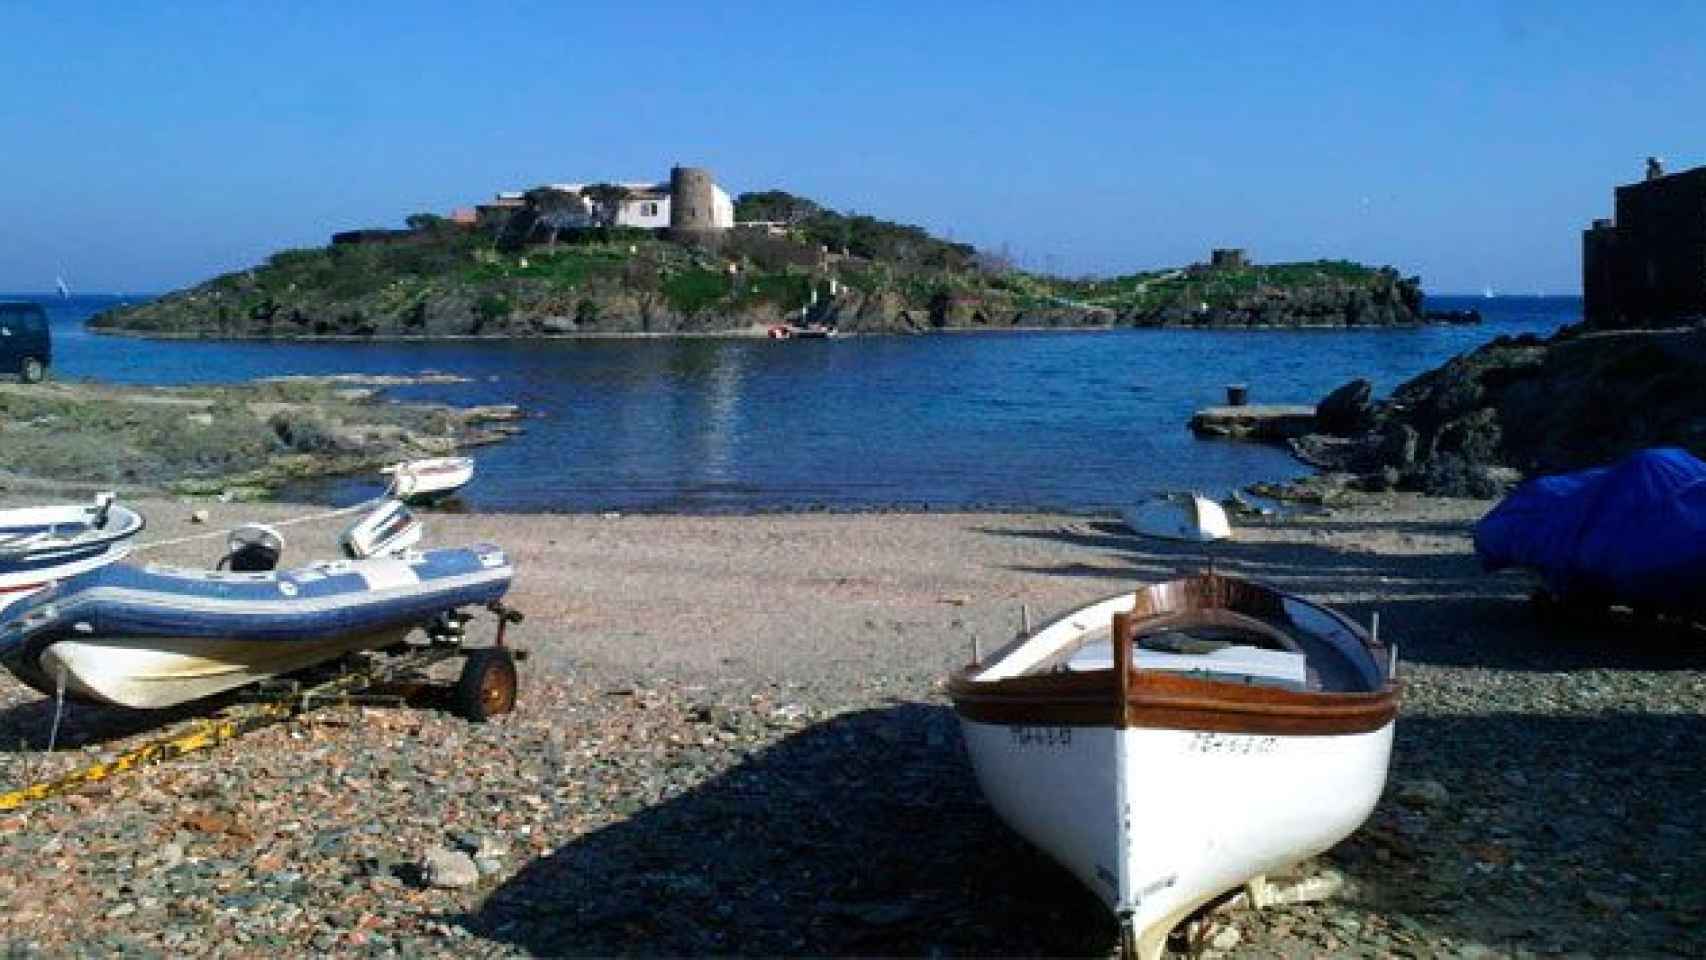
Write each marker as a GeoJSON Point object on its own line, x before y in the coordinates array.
{"type": "Point", "coordinates": [1126, 697]}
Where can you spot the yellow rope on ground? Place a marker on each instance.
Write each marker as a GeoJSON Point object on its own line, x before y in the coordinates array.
{"type": "Point", "coordinates": [207, 733]}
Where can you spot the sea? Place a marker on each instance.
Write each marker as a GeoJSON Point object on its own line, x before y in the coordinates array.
{"type": "Point", "coordinates": [1075, 421]}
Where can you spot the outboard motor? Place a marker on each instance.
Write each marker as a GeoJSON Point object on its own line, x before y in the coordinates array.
{"type": "Point", "coordinates": [252, 548]}
{"type": "Point", "coordinates": [390, 528]}
{"type": "Point", "coordinates": [103, 508]}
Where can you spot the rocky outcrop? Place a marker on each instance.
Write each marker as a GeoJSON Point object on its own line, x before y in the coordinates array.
{"type": "Point", "coordinates": [1523, 406]}
{"type": "Point", "coordinates": [1390, 301]}
{"type": "Point", "coordinates": [239, 441]}
{"type": "Point", "coordinates": [1347, 410]}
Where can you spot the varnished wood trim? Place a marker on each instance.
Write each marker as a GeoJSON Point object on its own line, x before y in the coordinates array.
{"type": "Point", "coordinates": [1126, 697]}
{"type": "Point", "coordinates": [1124, 632]}
{"type": "Point", "coordinates": [1168, 701]}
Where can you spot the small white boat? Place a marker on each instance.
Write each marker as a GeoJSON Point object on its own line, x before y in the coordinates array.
{"type": "Point", "coordinates": [1192, 517]}
{"type": "Point", "coordinates": [41, 544]}
{"type": "Point", "coordinates": [1171, 745]}
{"type": "Point", "coordinates": [156, 636]}
{"type": "Point", "coordinates": [419, 482]}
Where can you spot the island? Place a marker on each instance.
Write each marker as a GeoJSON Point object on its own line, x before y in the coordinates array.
{"type": "Point", "coordinates": [682, 257]}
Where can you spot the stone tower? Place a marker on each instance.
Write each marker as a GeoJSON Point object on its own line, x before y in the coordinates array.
{"type": "Point", "coordinates": [692, 201]}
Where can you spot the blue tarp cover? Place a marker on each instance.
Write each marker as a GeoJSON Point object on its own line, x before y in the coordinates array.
{"type": "Point", "coordinates": [1632, 533]}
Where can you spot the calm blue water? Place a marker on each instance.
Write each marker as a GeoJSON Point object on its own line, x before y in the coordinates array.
{"type": "Point", "coordinates": [1071, 421]}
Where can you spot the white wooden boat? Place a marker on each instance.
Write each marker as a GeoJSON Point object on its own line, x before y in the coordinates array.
{"type": "Point", "coordinates": [1182, 517]}
{"type": "Point", "coordinates": [427, 481]}
{"type": "Point", "coordinates": [1171, 745]}
{"type": "Point", "coordinates": [41, 544]}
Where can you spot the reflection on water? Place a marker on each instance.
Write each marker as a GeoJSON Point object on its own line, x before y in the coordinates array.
{"type": "Point", "coordinates": [1074, 420]}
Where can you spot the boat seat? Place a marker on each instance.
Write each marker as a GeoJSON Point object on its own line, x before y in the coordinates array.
{"type": "Point", "coordinates": [1226, 662]}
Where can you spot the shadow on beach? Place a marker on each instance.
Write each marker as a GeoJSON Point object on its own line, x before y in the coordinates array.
{"type": "Point", "coordinates": [26, 727]}
{"type": "Point", "coordinates": [867, 835]}
{"type": "Point", "coordinates": [863, 835]}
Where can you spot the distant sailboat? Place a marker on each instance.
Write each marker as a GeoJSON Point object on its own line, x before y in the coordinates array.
{"type": "Point", "coordinates": [64, 290]}
{"type": "Point", "coordinates": [1488, 292]}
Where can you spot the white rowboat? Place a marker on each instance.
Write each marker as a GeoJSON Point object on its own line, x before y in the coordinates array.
{"type": "Point", "coordinates": [41, 544]}
{"type": "Point", "coordinates": [1171, 745]}
{"type": "Point", "coordinates": [1190, 517]}
{"type": "Point", "coordinates": [426, 481]}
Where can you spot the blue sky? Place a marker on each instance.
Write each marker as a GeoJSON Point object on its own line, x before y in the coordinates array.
{"type": "Point", "coordinates": [151, 146]}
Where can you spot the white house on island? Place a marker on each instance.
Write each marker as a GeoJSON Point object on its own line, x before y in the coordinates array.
{"type": "Point", "coordinates": [688, 200]}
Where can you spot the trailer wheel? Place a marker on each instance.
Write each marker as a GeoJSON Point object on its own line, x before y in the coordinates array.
{"type": "Point", "coordinates": [487, 686]}
{"type": "Point", "coordinates": [31, 370]}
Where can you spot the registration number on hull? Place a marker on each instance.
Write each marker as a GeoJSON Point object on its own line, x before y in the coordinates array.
{"type": "Point", "coordinates": [1231, 743]}
{"type": "Point", "coordinates": [1026, 736]}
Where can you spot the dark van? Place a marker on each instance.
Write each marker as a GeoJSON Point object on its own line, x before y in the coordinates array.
{"type": "Point", "coordinates": [26, 348]}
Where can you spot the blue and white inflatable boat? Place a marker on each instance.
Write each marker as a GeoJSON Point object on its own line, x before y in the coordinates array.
{"type": "Point", "coordinates": [156, 636]}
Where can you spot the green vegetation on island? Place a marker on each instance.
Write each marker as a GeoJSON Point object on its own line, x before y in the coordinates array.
{"type": "Point", "coordinates": [535, 272]}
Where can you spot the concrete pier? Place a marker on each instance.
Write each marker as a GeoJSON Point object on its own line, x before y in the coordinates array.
{"type": "Point", "coordinates": [1274, 422]}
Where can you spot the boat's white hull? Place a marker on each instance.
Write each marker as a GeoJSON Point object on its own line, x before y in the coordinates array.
{"type": "Point", "coordinates": [16, 584]}
{"type": "Point", "coordinates": [160, 672]}
{"type": "Point", "coordinates": [424, 481]}
{"type": "Point", "coordinates": [1160, 821]}
{"type": "Point", "coordinates": [1196, 519]}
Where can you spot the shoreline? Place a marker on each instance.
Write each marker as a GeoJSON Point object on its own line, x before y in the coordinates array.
{"type": "Point", "coordinates": [758, 334]}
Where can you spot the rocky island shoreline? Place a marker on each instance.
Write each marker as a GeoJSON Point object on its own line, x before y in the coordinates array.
{"type": "Point", "coordinates": [520, 274]}
{"type": "Point", "coordinates": [238, 441]}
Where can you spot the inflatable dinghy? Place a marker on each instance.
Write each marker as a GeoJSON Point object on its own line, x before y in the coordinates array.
{"type": "Point", "coordinates": [156, 636]}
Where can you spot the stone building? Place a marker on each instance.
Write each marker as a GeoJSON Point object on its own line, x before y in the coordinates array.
{"type": "Point", "coordinates": [1228, 258]}
{"type": "Point", "coordinates": [1647, 266]}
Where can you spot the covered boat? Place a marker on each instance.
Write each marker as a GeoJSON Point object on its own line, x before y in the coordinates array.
{"type": "Point", "coordinates": [1170, 745]}
{"type": "Point", "coordinates": [42, 544]}
{"type": "Point", "coordinates": [1632, 533]}
{"type": "Point", "coordinates": [428, 481]}
{"type": "Point", "coordinates": [157, 636]}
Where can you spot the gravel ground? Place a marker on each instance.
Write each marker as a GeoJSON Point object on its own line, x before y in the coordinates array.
{"type": "Point", "coordinates": [732, 739]}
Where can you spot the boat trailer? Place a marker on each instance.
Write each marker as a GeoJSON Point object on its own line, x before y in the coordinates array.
{"type": "Point", "coordinates": [486, 688]}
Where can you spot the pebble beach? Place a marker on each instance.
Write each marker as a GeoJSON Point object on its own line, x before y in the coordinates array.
{"type": "Point", "coordinates": [732, 739]}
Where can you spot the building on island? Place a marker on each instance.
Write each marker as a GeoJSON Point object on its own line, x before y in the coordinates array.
{"type": "Point", "coordinates": [1228, 258]}
{"type": "Point", "coordinates": [689, 204]}
{"type": "Point", "coordinates": [494, 213]}
{"type": "Point", "coordinates": [689, 200]}
{"type": "Point", "coordinates": [1647, 265]}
